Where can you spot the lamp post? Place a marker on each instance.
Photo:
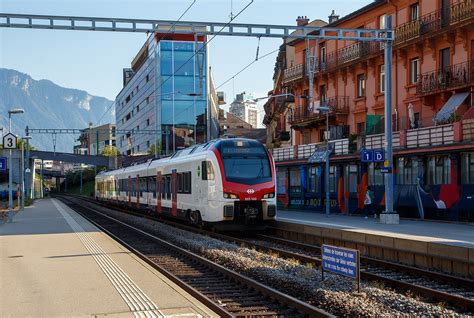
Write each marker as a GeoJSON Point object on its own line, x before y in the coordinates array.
{"type": "Point", "coordinates": [326, 174]}
{"type": "Point", "coordinates": [26, 138]}
{"type": "Point", "coordinates": [10, 170]}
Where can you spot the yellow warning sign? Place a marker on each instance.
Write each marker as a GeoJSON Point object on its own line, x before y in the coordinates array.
{"type": "Point", "coordinates": [385, 163]}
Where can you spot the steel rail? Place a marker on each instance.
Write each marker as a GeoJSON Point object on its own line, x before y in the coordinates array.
{"type": "Point", "coordinates": [289, 301]}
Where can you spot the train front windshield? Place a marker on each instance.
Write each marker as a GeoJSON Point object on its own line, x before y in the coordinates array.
{"type": "Point", "coordinates": [246, 164]}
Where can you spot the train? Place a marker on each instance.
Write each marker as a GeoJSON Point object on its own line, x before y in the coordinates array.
{"type": "Point", "coordinates": [227, 184]}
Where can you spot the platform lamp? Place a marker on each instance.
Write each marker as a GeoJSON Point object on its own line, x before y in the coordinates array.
{"type": "Point", "coordinates": [10, 196]}
{"type": "Point", "coordinates": [23, 171]}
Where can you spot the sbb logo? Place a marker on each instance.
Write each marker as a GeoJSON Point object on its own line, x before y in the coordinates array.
{"type": "Point", "coordinates": [250, 191]}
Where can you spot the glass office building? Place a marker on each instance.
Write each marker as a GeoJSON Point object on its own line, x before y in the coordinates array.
{"type": "Point", "coordinates": [167, 91]}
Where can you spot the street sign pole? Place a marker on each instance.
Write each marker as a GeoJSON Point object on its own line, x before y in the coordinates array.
{"type": "Point", "coordinates": [10, 197]}
{"type": "Point", "coordinates": [389, 216]}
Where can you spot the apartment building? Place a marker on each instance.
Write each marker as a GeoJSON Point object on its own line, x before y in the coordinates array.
{"type": "Point", "coordinates": [245, 108]}
{"type": "Point", "coordinates": [432, 119]}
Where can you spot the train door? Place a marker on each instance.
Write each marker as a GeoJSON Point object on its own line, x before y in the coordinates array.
{"type": "Point", "coordinates": [159, 183]}
{"type": "Point", "coordinates": [174, 193]}
{"type": "Point", "coordinates": [203, 188]}
{"type": "Point", "coordinates": [129, 190]}
{"type": "Point", "coordinates": [139, 191]}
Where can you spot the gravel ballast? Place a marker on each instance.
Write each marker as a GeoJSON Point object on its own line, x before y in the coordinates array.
{"type": "Point", "coordinates": [335, 294]}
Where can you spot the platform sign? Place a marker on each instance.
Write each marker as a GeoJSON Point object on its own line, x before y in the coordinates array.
{"type": "Point", "coordinates": [379, 155]}
{"type": "Point", "coordinates": [386, 170]}
{"type": "Point", "coordinates": [341, 261]}
{"type": "Point", "coordinates": [3, 163]}
{"type": "Point", "coordinates": [367, 155]}
{"type": "Point", "coordinates": [9, 141]}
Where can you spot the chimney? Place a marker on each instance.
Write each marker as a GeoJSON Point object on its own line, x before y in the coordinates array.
{"type": "Point", "coordinates": [333, 17]}
{"type": "Point", "coordinates": [302, 20]}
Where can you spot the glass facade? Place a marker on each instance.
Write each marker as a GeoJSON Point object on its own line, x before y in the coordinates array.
{"type": "Point", "coordinates": [168, 92]}
{"type": "Point", "coordinates": [182, 94]}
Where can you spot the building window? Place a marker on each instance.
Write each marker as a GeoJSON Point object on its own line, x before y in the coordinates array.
{"type": "Point", "coordinates": [352, 174]}
{"type": "Point", "coordinates": [375, 175]}
{"type": "Point", "coordinates": [147, 100]}
{"type": "Point", "coordinates": [138, 127]}
{"type": "Point", "coordinates": [439, 170]}
{"type": "Point", "coordinates": [361, 85]}
{"type": "Point", "coordinates": [382, 78]}
{"type": "Point", "coordinates": [138, 148]}
{"type": "Point", "coordinates": [332, 179]}
{"type": "Point", "coordinates": [467, 168]}
{"type": "Point", "coordinates": [360, 128]}
{"type": "Point", "coordinates": [414, 70]}
{"type": "Point", "coordinates": [322, 94]}
{"type": "Point", "coordinates": [281, 181]}
{"type": "Point", "coordinates": [148, 122]}
{"type": "Point", "coordinates": [147, 78]}
{"type": "Point", "coordinates": [445, 58]}
{"type": "Point", "coordinates": [148, 144]}
{"type": "Point", "coordinates": [322, 53]}
{"type": "Point", "coordinates": [313, 179]}
{"type": "Point", "coordinates": [307, 137]}
{"type": "Point", "coordinates": [382, 21]}
{"type": "Point", "coordinates": [407, 171]}
{"type": "Point", "coordinates": [414, 12]}
{"type": "Point", "coordinates": [138, 108]}
{"type": "Point", "coordinates": [295, 180]}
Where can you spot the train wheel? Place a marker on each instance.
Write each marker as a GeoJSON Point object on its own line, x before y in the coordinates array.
{"type": "Point", "coordinates": [195, 217]}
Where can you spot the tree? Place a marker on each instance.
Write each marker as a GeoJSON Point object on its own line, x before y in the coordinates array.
{"type": "Point", "coordinates": [109, 151]}
{"type": "Point", "coordinates": [151, 150]}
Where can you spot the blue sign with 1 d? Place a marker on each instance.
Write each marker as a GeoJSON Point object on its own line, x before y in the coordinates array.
{"type": "Point", "coordinates": [367, 155]}
{"type": "Point", "coordinates": [342, 261]}
{"type": "Point", "coordinates": [3, 163]}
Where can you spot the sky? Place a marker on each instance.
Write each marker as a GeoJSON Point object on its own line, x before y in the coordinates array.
{"type": "Point", "coordinates": [93, 61]}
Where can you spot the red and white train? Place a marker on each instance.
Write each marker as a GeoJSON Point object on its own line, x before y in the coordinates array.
{"type": "Point", "coordinates": [228, 184]}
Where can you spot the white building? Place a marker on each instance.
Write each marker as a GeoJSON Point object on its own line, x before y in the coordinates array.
{"type": "Point", "coordinates": [245, 108]}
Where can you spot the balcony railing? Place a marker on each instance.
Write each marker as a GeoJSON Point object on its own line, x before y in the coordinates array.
{"type": "Point", "coordinates": [293, 73]}
{"type": "Point", "coordinates": [428, 23]}
{"type": "Point", "coordinates": [337, 105]}
{"type": "Point", "coordinates": [430, 136]}
{"type": "Point", "coordinates": [449, 77]}
{"type": "Point", "coordinates": [461, 11]}
{"type": "Point", "coordinates": [349, 53]}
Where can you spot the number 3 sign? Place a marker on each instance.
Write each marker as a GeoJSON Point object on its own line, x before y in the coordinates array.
{"type": "Point", "coordinates": [9, 141]}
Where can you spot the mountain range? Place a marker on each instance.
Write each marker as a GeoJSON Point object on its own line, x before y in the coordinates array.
{"type": "Point", "coordinates": [48, 105]}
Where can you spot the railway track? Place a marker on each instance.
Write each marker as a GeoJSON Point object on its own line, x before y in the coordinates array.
{"type": "Point", "coordinates": [432, 285]}
{"type": "Point", "coordinates": [226, 292]}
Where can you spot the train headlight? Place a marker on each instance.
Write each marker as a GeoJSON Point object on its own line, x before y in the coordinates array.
{"type": "Point", "coordinates": [230, 196]}
{"type": "Point", "coordinates": [269, 195]}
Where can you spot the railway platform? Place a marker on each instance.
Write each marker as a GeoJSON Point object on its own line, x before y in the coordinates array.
{"type": "Point", "coordinates": [443, 246]}
{"type": "Point", "coordinates": [55, 263]}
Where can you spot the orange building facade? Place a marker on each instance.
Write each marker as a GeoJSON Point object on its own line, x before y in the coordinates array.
{"type": "Point", "coordinates": [433, 84]}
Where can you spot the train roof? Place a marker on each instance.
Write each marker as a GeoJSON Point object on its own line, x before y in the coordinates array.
{"type": "Point", "coordinates": [190, 151]}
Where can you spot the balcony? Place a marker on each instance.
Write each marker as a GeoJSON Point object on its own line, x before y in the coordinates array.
{"type": "Point", "coordinates": [348, 54]}
{"type": "Point", "coordinates": [339, 105]}
{"type": "Point", "coordinates": [451, 77]}
{"type": "Point", "coordinates": [293, 73]}
{"type": "Point", "coordinates": [303, 152]}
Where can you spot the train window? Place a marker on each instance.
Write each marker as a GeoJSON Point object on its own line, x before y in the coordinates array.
{"type": "Point", "coordinates": [163, 187]}
{"type": "Point", "coordinates": [210, 171]}
{"type": "Point", "coordinates": [467, 168]}
{"type": "Point", "coordinates": [407, 171]}
{"type": "Point", "coordinates": [187, 182]}
{"type": "Point", "coordinates": [439, 170]}
{"type": "Point", "coordinates": [168, 187]}
{"type": "Point", "coordinates": [134, 186]}
{"type": "Point", "coordinates": [313, 179]}
{"type": "Point", "coordinates": [152, 186]}
{"type": "Point", "coordinates": [375, 175]}
{"type": "Point", "coordinates": [180, 182]}
{"type": "Point", "coordinates": [143, 186]}
{"type": "Point", "coordinates": [204, 170]}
